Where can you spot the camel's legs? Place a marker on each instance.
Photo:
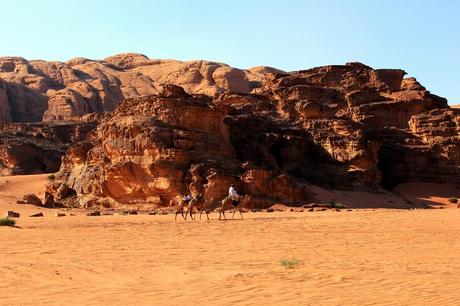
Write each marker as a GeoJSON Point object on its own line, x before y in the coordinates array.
{"type": "Point", "coordinates": [234, 211]}
{"type": "Point", "coordinates": [239, 210]}
{"type": "Point", "coordinates": [181, 211]}
{"type": "Point", "coordinates": [206, 212]}
{"type": "Point", "coordinates": [187, 213]}
{"type": "Point", "coordinates": [222, 211]}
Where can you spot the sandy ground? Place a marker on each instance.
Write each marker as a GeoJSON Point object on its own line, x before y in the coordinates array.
{"type": "Point", "coordinates": [361, 257]}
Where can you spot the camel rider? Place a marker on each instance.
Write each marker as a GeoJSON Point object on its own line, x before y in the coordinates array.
{"type": "Point", "coordinates": [233, 195]}
{"type": "Point", "coordinates": [187, 198]}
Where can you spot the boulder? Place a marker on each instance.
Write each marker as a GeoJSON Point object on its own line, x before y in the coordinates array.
{"type": "Point", "coordinates": [36, 215]}
{"type": "Point", "coordinates": [49, 200]}
{"type": "Point", "coordinates": [12, 214]}
{"type": "Point", "coordinates": [32, 199]}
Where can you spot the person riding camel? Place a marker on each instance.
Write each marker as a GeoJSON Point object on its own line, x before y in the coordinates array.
{"type": "Point", "coordinates": [196, 189]}
{"type": "Point", "coordinates": [187, 198]}
{"type": "Point", "coordinates": [233, 195]}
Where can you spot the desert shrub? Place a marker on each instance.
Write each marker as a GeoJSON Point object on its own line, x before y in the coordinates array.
{"type": "Point", "coordinates": [453, 200]}
{"type": "Point", "coordinates": [7, 222]}
{"type": "Point", "coordinates": [52, 176]}
{"type": "Point", "coordinates": [335, 204]}
{"type": "Point", "coordinates": [291, 263]}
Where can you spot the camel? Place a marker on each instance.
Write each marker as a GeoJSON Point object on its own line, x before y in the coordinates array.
{"type": "Point", "coordinates": [180, 208]}
{"type": "Point", "coordinates": [200, 204]}
{"type": "Point", "coordinates": [226, 202]}
{"type": "Point", "coordinates": [197, 203]}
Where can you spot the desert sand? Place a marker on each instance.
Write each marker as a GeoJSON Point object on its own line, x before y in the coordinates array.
{"type": "Point", "coordinates": [358, 257]}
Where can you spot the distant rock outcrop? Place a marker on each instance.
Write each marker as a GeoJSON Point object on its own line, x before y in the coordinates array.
{"type": "Point", "coordinates": [33, 91]}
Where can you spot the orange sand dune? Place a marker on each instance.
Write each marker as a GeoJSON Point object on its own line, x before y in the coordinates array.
{"type": "Point", "coordinates": [359, 257]}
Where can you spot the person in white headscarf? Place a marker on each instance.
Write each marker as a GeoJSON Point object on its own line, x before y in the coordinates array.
{"type": "Point", "coordinates": [233, 195]}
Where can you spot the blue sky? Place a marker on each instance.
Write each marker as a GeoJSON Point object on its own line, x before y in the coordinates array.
{"type": "Point", "coordinates": [421, 37]}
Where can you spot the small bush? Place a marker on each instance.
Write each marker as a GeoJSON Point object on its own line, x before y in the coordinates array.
{"type": "Point", "coordinates": [7, 222]}
{"type": "Point", "coordinates": [291, 263]}
{"type": "Point", "coordinates": [453, 200]}
{"type": "Point", "coordinates": [52, 176]}
{"type": "Point", "coordinates": [338, 205]}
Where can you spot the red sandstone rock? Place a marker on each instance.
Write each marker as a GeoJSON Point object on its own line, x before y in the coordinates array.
{"type": "Point", "coordinates": [40, 90]}
{"type": "Point", "coordinates": [345, 126]}
{"type": "Point", "coordinates": [28, 148]}
{"type": "Point", "coordinates": [32, 199]}
{"type": "Point", "coordinates": [154, 148]}
{"type": "Point", "coordinates": [5, 111]}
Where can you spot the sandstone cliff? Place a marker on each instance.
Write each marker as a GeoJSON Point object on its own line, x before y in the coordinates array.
{"type": "Point", "coordinates": [32, 148]}
{"type": "Point", "coordinates": [35, 90]}
{"type": "Point", "coordinates": [155, 148]}
{"type": "Point", "coordinates": [343, 127]}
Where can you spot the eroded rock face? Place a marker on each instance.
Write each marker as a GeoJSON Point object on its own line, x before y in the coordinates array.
{"type": "Point", "coordinates": [40, 90]}
{"type": "Point", "coordinates": [33, 148]}
{"type": "Point", "coordinates": [353, 91]}
{"type": "Point", "coordinates": [342, 127]}
{"type": "Point", "coordinates": [155, 148]}
{"type": "Point", "coordinates": [5, 111]}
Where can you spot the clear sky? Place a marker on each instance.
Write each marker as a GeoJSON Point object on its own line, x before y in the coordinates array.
{"type": "Point", "coordinates": [421, 37]}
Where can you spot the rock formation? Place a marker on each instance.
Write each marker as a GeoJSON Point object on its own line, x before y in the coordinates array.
{"type": "Point", "coordinates": [32, 148]}
{"type": "Point", "coordinates": [344, 127]}
{"type": "Point", "coordinates": [155, 148]}
{"type": "Point", "coordinates": [128, 136]}
{"type": "Point", "coordinates": [33, 91]}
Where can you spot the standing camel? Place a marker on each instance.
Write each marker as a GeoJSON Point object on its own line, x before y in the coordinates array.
{"type": "Point", "coordinates": [206, 206]}
{"type": "Point", "coordinates": [227, 202]}
{"type": "Point", "coordinates": [199, 204]}
{"type": "Point", "coordinates": [186, 208]}
{"type": "Point", "coordinates": [180, 208]}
